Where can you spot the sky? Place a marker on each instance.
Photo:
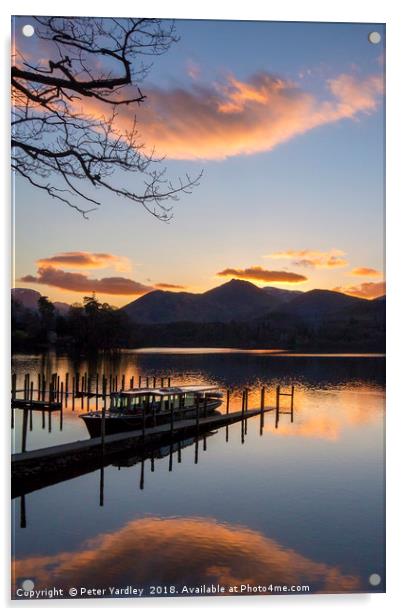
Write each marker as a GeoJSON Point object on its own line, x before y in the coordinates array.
{"type": "Point", "coordinates": [286, 123]}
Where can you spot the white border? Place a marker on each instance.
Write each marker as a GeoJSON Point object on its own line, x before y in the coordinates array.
{"type": "Point", "coordinates": [380, 11]}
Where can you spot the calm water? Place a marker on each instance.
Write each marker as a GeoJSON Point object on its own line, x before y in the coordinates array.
{"type": "Point", "coordinates": [302, 503]}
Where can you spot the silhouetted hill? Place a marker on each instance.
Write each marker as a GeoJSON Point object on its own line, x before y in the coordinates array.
{"type": "Point", "coordinates": [237, 300]}
{"type": "Point", "coordinates": [320, 303]}
{"type": "Point", "coordinates": [28, 298]}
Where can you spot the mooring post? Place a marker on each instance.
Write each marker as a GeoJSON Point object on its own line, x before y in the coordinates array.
{"type": "Point", "coordinates": [147, 382]}
{"type": "Point", "coordinates": [152, 462]}
{"type": "Point", "coordinates": [227, 433]}
{"type": "Point", "coordinates": [143, 421]}
{"type": "Point", "coordinates": [154, 382]}
{"type": "Point", "coordinates": [291, 403]}
{"type": "Point", "coordinates": [278, 393]}
{"type": "Point", "coordinates": [50, 420]}
{"type": "Point", "coordinates": [102, 486]}
{"type": "Point", "coordinates": [205, 443]}
{"type": "Point", "coordinates": [73, 396]}
{"type": "Point", "coordinates": [197, 410]}
{"type": "Point", "coordinates": [196, 451]}
{"type": "Point", "coordinates": [13, 386]}
{"type": "Point", "coordinates": [39, 386]}
{"type": "Point", "coordinates": [227, 401]}
{"type": "Point", "coordinates": [179, 452]}
{"type": "Point", "coordinates": [67, 383]}
{"type": "Point", "coordinates": [169, 381]}
{"type": "Point", "coordinates": [24, 430]}
{"type": "Point", "coordinates": [30, 407]}
{"type": "Point", "coordinates": [139, 381]}
{"type": "Point", "coordinates": [103, 427]}
{"type": "Point", "coordinates": [58, 388]}
{"type": "Point", "coordinates": [205, 406]}
{"type": "Point", "coordinates": [123, 382]}
{"type": "Point", "coordinates": [132, 383]}
{"type": "Point", "coordinates": [43, 387]}
{"type": "Point", "coordinates": [61, 406]}
{"type": "Point", "coordinates": [262, 402]}
{"type": "Point", "coordinates": [243, 402]}
{"type": "Point", "coordinates": [162, 381]}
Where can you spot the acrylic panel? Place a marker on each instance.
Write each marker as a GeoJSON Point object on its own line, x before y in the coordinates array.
{"type": "Point", "coordinates": [198, 311]}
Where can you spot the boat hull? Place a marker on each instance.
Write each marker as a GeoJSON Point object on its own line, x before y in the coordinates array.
{"type": "Point", "coordinates": [116, 423]}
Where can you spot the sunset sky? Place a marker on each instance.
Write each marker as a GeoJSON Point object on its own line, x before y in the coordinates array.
{"type": "Point", "coordinates": [286, 121]}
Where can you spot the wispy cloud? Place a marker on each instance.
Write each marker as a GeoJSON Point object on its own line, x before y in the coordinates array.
{"type": "Point", "coordinates": [313, 258]}
{"type": "Point", "coordinates": [169, 287]}
{"type": "Point", "coordinates": [86, 260]}
{"type": "Point", "coordinates": [258, 273]}
{"type": "Point", "coordinates": [80, 283]}
{"type": "Point", "coordinates": [366, 271]}
{"type": "Point", "coordinates": [239, 117]}
{"type": "Point", "coordinates": [366, 290]}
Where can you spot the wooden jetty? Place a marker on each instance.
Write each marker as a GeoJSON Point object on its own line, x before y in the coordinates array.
{"type": "Point", "coordinates": [32, 470]}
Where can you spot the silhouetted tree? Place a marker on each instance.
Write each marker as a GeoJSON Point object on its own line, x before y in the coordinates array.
{"type": "Point", "coordinates": [58, 147]}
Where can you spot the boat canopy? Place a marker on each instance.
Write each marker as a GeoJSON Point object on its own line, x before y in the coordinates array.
{"type": "Point", "coordinates": [167, 391]}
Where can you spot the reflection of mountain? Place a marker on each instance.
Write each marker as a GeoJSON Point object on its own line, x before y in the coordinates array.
{"type": "Point", "coordinates": [182, 551]}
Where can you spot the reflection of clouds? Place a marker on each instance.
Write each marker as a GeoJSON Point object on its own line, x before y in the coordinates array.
{"type": "Point", "coordinates": [182, 551]}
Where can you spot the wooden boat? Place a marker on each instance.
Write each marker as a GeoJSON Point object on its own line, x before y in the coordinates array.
{"type": "Point", "coordinates": [133, 408]}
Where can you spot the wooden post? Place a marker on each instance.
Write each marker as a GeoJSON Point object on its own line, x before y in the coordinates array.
{"type": "Point", "coordinates": [205, 443]}
{"type": "Point", "coordinates": [67, 383]}
{"type": "Point", "coordinates": [227, 433]}
{"type": "Point", "coordinates": [147, 381]}
{"type": "Point", "coordinates": [24, 430]}
{"type": "Point", "coordinates": [227, 401]}
{"type": "Point", "coordinates": [243, 403]}
{"type": "Point", "coordinates": [132, 383]}
{"type": "Point", "coordinates": [30, 410]}
{"type": "Point", "coordinates": [262, 402]}
{"type": "Point", "coordinates": [197, 408]}
{"type": "Point", "coordinates": [139, 381]}
{"type": "Point", "coordinates": [169, 381]}
{"type": "Point", "coordinates": [13, 386]}
{"type": "Point", "coordinates": [179, 452]}
{"type": "Point", "coordinates": [142, 477]}
{"type": "Point", "coordinates": [96, 390]}
{"type": "Point", "coordinates": [61, 408]}
{"type": "Point", "coordinates": [152, 462]}
{"type": "Point", "coordinates": [278, 393]}
{"type": "Point", "coordinates": [39, 386]}
{"type": "Point", "coordinates": [103, 427]}
{"type": "Point", "coordinates": [43, 387]}
{"type": "Point", "coordinates": [58, 388]}
{"type": "Point", "coordinates": [154, 382]}
{"type": "Point", "coordinates": [143, 421]}
{"type": "Point", "coordinates": [50, 420]}
{"type": "Point", "coordinates": [291, 403]}
{"type": "Point", "coordinates": [73, 397]}
{"type": "Point", "coordinates": [102, 486]}
{"type": "Point", "coordinates": [162, 381]}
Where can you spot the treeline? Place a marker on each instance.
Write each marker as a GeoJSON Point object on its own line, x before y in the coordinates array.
{"type": "Point", "coordinates": [94, 326]}
{"type": "Point", "coordinates": [363, 333]}
{"type": "Point", "coordinates": [86, 327]}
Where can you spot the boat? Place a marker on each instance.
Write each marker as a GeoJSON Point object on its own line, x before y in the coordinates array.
{"type": "Point", "coordinates": [136, 408]}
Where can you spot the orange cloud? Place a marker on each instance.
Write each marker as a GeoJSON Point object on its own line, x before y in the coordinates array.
{"type": "Point", "coordinates": [258, 273]}
{"type": "Point", "coordinates": [313, 258]}
{"type": "Point", "coordinates": [182, 551]}
{"type": "Point", "coordinates": [365, 271]}
{"type": "Point", "coordinates": [366, 290]}
{"type": "Point", "coordinates": [80, 283]}
{"type": "Point", "coordinates": [86, 260]}
{"type": "Point", "coordinates": [237, 117]}
{"type": "Point", "coordinates": [167, 285]}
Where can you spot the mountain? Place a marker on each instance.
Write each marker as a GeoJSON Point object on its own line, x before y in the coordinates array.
{"type": "Point", "coordinates": [28, 298]}
{"type": "Point", "coordinates": [318, 303]}
{"type": "Point", "coordinates": [281, 296]}
{"type": "Point", "coordinates": [237, 300]}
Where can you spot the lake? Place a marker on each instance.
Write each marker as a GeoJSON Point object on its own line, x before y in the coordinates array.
{"type": "Point", "coordinates": [299, 504]}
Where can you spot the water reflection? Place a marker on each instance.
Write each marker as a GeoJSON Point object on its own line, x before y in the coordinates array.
{"type": "Point", "coordinates": [182, 551]}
